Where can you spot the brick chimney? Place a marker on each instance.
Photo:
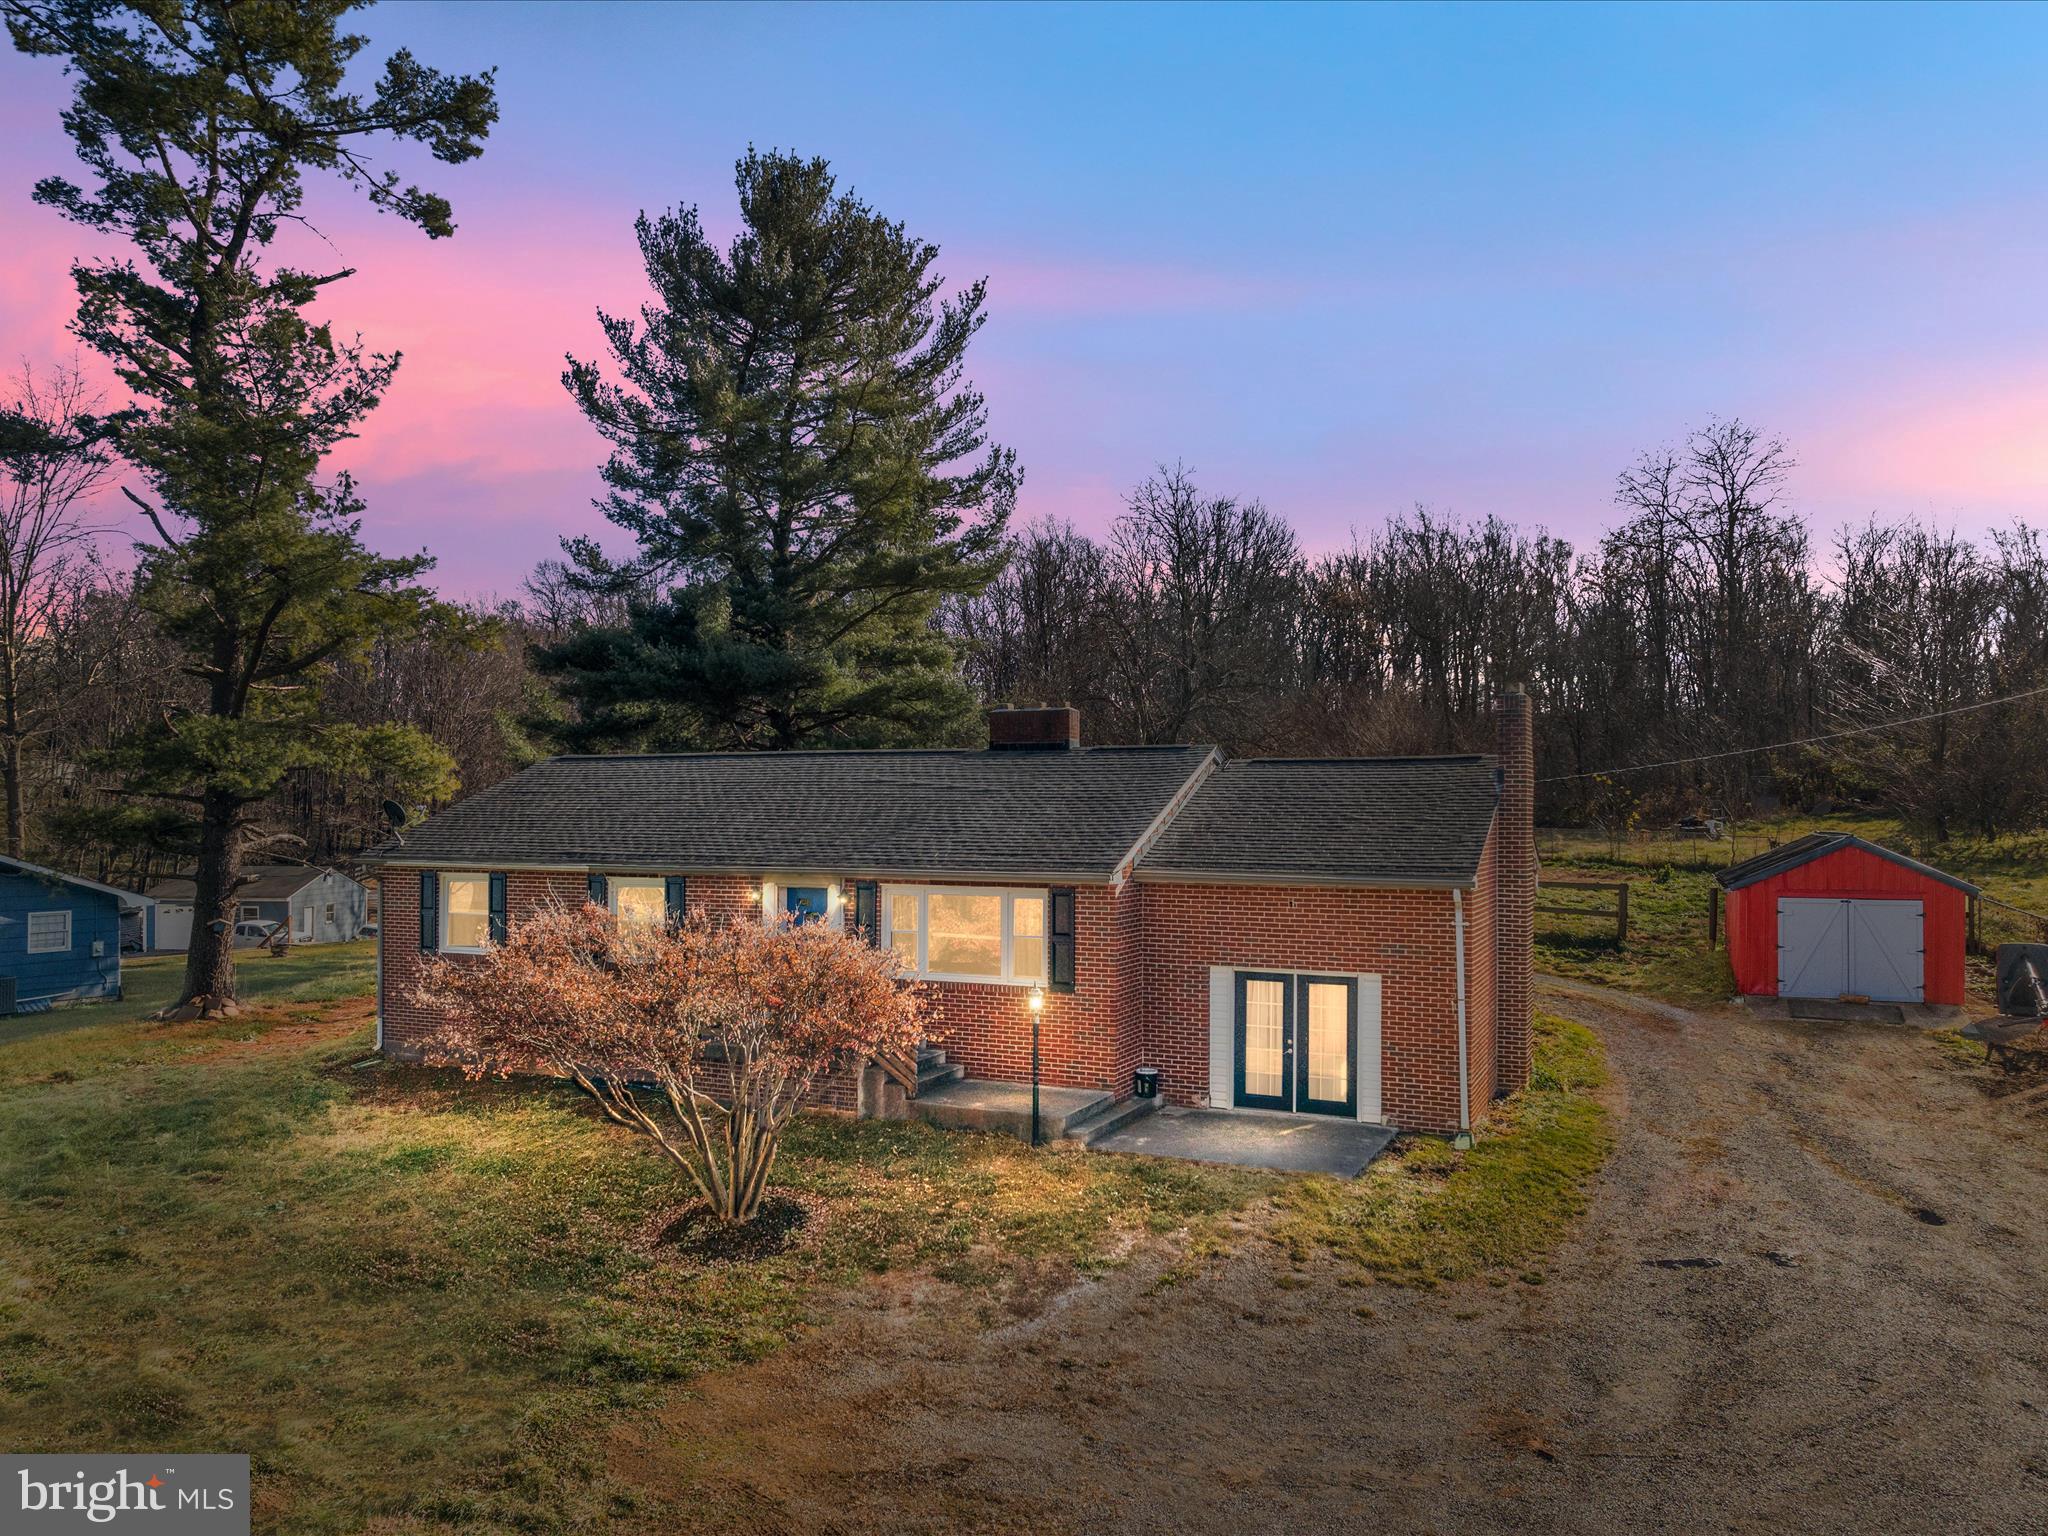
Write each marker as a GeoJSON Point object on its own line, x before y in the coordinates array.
{"type": "Point", "coordinates": [1514, 892]}
{"type": "Point", "coordinates": [1038, 729]}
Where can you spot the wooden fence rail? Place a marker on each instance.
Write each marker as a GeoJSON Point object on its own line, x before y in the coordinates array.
{"type": "Point", "coordinates": [1619, 911]}
{"type": "Point", "coordinates": [2006, 922]}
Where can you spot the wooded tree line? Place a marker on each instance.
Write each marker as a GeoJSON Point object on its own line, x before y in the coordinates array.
{"type": "Point", "coordinates": [821, 528]}
{"type": "Point", "coordinates": [1704, 623]}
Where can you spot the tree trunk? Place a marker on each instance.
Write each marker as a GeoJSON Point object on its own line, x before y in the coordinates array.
{"type": "Point", "coordinates": [10, 752]}
{"type": "Point", "coordinates": [210, 962]}
{"type": "Point", "coordinates": [10, 770]}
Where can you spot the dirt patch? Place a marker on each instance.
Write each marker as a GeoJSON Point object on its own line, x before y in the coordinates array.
{"type": "Point", "coordinates": [279, 1031]}
{"type": "Point", "coordinates": [1841, 1365]}
{"type": "Point", "coordinates": [695, 1235]}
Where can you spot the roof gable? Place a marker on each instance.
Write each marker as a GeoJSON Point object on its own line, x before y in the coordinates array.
{"type": "Point", "coordinates": [128, 900]}
{"type": "Point", "coordinates": [260, 882]}
{"type": "Point", "coordinates": [1818, 845]}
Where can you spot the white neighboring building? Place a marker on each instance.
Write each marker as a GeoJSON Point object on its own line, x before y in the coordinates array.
{"type": "Point", "coordinates": [317, 906]}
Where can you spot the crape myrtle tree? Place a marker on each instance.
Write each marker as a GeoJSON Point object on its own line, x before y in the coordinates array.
{"type": "Point", "coordinates": [705, 1039]}
{"type": "Point", "coordinates": [806, 475]}
{"type": "Point", "coordinates": [200, 122]}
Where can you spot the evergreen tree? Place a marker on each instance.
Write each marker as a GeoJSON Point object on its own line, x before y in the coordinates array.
{"type": "Point", "coordinates": [806, 475]}
{"type": "Point", "coordinates": [199, 120]}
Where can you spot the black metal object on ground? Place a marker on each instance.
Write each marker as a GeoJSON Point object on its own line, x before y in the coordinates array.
{"type": "Point", "coordinates": [2020, 967]}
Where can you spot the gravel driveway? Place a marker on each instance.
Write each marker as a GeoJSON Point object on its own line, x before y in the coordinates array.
{"type": "Point", "coordinates": [1809, 1297]}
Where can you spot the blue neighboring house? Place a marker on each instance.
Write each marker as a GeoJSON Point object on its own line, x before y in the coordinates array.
{"type": "Point", "coordinates": [60, 937]}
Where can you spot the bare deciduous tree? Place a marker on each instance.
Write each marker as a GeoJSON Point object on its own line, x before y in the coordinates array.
{"type": "Point", "coordinates": [53, 456]}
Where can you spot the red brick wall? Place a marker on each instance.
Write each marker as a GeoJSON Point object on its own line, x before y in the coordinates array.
{"type": "Point", "coordinates": [1142, 958]}
{"type": "Point", "coordinates": [1404, 937]}
{"type": "Point", "coordinates": [1088, 1038]}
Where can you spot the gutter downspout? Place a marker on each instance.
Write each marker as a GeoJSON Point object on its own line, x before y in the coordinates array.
{"type": "Point", "coordinates": [379, 1047]}
{"type": "Point", "coordinates": [1464, 1137]}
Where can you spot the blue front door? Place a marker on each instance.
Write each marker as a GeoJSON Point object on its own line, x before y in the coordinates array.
{"type": "Point", "coordinates": [803, 903]}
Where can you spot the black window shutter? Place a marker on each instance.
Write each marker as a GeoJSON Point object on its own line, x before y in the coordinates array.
{"type": "Point", "coordinates": [600, 896]}
{"type": "Point", "coordinates": [498, 924]}
{"type": "Point", "coordinates": [1060, 930]}
{"type": "Point", "coordinates": [866, 899]}
{"type": "Point", "coordinates": [676, 892]}
{"type": "Point", "coordinates": [430, 912]}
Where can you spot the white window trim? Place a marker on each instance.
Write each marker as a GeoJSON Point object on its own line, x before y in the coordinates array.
{"type": "Point", "coordinates": [448, 878]}
{"type": "Point", "coordinates": [49, 949]}
{"type": "Point", "coordinates": [1010, 896]}
{"type": "Point", "coordinates": [613, 882]}
{"type": "Point", "coordinates": [249, 912]}
{"type": "Point", "coordinates": [773, 886]}
{"type": "Point", "coordinates": [1372, 1086]}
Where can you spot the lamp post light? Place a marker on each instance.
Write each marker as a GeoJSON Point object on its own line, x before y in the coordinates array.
{"type": "Point", "coordinates": [1037, 1012]}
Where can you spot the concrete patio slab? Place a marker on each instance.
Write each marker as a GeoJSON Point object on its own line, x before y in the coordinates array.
{"type": "Point", "coordinates": [1284, 1143]}
{"type": "Point", "coordinates": [976, 1104]}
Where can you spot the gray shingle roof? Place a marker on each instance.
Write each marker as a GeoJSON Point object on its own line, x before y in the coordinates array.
{"type": "Point", "coordinates": [1333, 821]}
{"type": "Point", "coordinates": [265, 882]}
{"type": "Point", "coordinates": [1804, 850]}
{"type": "Point", "coordinates": [1050, 813]}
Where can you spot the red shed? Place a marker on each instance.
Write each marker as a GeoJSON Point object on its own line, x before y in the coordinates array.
{"type": "Point", "coordinates": [1830, 915]}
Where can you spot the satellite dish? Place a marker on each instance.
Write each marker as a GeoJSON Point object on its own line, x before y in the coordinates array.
{"type": "Point", "coordinates": [396, 814]}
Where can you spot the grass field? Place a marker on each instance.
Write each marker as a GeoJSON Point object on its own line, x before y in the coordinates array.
{"type": "Point", "coordinates": [1436, 1215]}
{"type": "Point", "coordinates": [1666, 953]}
{"type": "Point", "coordinates": [419, 1303]}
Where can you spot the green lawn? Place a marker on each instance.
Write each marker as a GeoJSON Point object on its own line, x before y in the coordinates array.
{"type": "Point", "coordinates": [1666, 954]}
{"type": "Point", "coordinates": [95, 1037]}
{"type": "Point", "coordinates": [415, 1301]}
{"type": "Point", "coordinates": [420, 1303]}
{"type": "Point", "coordinates": [306, 973]}
{"type": "Point", "coordinates": [1433, 1214]}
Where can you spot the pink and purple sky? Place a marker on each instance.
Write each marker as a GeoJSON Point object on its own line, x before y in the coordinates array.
{"type": "Point", "coordinates": [1342, 260]}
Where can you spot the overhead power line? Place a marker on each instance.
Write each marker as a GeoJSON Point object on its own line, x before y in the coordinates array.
{"type": "Point", "coordinates": [1804, 741]}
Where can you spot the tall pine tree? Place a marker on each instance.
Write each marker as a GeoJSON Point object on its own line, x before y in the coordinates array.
{"type": "Point", "coordinates": [807, 477]}
{"type": "Point", "coordinates": [199, 120]}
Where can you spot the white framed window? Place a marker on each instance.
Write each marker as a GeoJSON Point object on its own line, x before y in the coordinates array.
{"type": "Point", "coordinates": [49, 933]}
{"type": "Point", "coordinates": [465, 912]}
{"type": "Point", "coordinates": [330, 914]}
{"type": "Point", "coordinates": [639, 903]}
{"type": "Point", "coordinates": [250, 913]}
{"type": "Point", "coordinates": [803, 899]}
{"type": "Point", "coordinates": [966, 933]}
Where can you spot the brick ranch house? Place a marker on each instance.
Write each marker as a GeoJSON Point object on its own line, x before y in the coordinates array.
{"type": "Point", "coordinates": [1346, 937]}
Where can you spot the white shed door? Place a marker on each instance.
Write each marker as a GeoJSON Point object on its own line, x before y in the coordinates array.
{"type": "Point", "coordinates": [1829, 947]}
{"type": "Point", "coordinates": [1888, 950]}
{"type": "Point", "coordinates": [173, 927]}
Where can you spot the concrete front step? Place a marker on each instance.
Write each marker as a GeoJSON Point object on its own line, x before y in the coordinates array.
{"type": "Point", "coordinates": [1108, 1120]}
{"type": "Point", "coordinates": [932, 1075]}
{"type": "Point", "coordinates": [974, 1104]}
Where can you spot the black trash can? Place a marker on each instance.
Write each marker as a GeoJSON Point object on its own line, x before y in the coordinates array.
{"type": "Point", "coordinates": [1145, 1082]}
